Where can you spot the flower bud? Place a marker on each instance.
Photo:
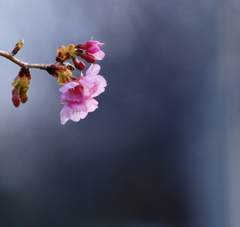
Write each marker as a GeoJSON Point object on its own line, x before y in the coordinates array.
{"type": "Point", "coordinates": [81, 46]}
{"type": "Point", "coordinates": [16, 97]}
{"type": "Point", "coordinates": [78, 51]}
{"type": "Point", "coordinates": [87, 57]}
{"type": "Point", "coordinates": [23, 96]}
{"type": "Point", "coordinates": [18, 46]}
{"type": "Point", "coordinates": [78, 64]}
{"type": "Point", "coordinates": [90, 46]}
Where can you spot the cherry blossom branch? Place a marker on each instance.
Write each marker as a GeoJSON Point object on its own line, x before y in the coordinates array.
{"type": "Point", "coordinates": [77, 93]}
{"type": "Point", "coordinates": [22, 64]}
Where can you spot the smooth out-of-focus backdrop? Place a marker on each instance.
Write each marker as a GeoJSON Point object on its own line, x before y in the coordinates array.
{"type": "Point", "coordinates": [162, 149]}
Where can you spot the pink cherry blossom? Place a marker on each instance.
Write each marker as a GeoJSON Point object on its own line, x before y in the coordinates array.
{"type": "Point", "coordinates": [91, 58]}
{"type": "Point", "coordinates": [91, 46]}
{"type": "Point", "coordinates": [74, 111]}
{"type": "Point", "coordinates": [98, 55]}
{"type": "Point", "coordinates": [71, 92]}
{"type": "Point", "coordinates": [78, 95]}
{"type": "Point", "coordinates": [92, 49]}
{"type": "Point", "coordinates": [93, 83]}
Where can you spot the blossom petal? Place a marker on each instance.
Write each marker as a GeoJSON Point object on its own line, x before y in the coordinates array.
{"type": "Point", "coordinates": [83, 114]}
{"type": "Point", "coordinates": [77, 116]}
{"type": "Point", "coordinates": [98, 91]}
{"type": "Point", "coordinates": [92, 104]}
{"type": "Point", "coordinates": [68, 86]}
{"type": "Point", "coordinates": [73, 95]}
{"type": "Point", "coordinates": [78, 106]}
{"type": "Point", "coordinates": [79, 111]}
{"type": "Point", "coordinates": [99, 55]}
{"type": "Point", "coordinates": [87, 82]}
{"type": "Point", "coordinates": [74, 111]}
{"type": "Point", "coordinates": [93, 49]}
{"type": "Point", "coordinates": [65, 114]}
{"type": "Point", "coordinates": [102, 81]}
{"type": "Point", "coordinates": [94, 42]}
{"type": "Point", "coordinates": [93, 69]}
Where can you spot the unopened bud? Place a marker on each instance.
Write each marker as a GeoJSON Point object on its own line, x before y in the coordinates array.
{"type": "Point", "coordinates": [18, 47]}
{"type": "Point", "coordinates": [90, 46]}
{"type": "Point", "coordinates": [16, 97]}
{"type": "Point", "coordinates": [78, 52]}
{"type": "Point", "coordinates": [81, 46]}
{"type": "Point", "coordinates": [87, 57]}
{"type": "Point", "coordinates": [23, 96]}
{"type": "Point", "coordinates": [78, 64]}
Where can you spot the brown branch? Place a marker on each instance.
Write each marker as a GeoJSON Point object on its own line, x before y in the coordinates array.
{"type": "Point", "coordinates": [22, 64]}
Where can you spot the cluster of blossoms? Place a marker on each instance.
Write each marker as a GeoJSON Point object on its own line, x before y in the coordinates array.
{"type": "Point", "coordinates": [77, 93]}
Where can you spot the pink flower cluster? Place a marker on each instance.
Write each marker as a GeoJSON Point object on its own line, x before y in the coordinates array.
{"type": "Point", "coordinates": [78, 95]}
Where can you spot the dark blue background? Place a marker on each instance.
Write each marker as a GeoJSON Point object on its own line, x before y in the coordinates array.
{"type": "Point", "coordinates": [155, 151]}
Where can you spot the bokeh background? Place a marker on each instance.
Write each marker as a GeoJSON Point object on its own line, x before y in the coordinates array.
{"type": "Point", "coordinates": [162, 149]}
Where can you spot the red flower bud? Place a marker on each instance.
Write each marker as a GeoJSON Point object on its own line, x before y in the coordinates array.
{"type": "Point", "coordinates": [78, 51]}
{"type": "Point", "coordinates": [78, 64]}
{"type": "Point", "coordinates": [90, 46]}
{"type": "Point", "coordinates": [81, 46]}
{"type": "Point", "coordinates": [87, 57]}
{"type": "Point", "coordinates": [16, 97]}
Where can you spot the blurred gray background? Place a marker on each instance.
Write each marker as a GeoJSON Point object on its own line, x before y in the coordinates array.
{"type": "Point", "coordinates": [162, 149]}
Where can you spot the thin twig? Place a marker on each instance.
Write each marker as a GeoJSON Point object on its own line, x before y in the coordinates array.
{"type": "Point", "coordinates": [22, 64]}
